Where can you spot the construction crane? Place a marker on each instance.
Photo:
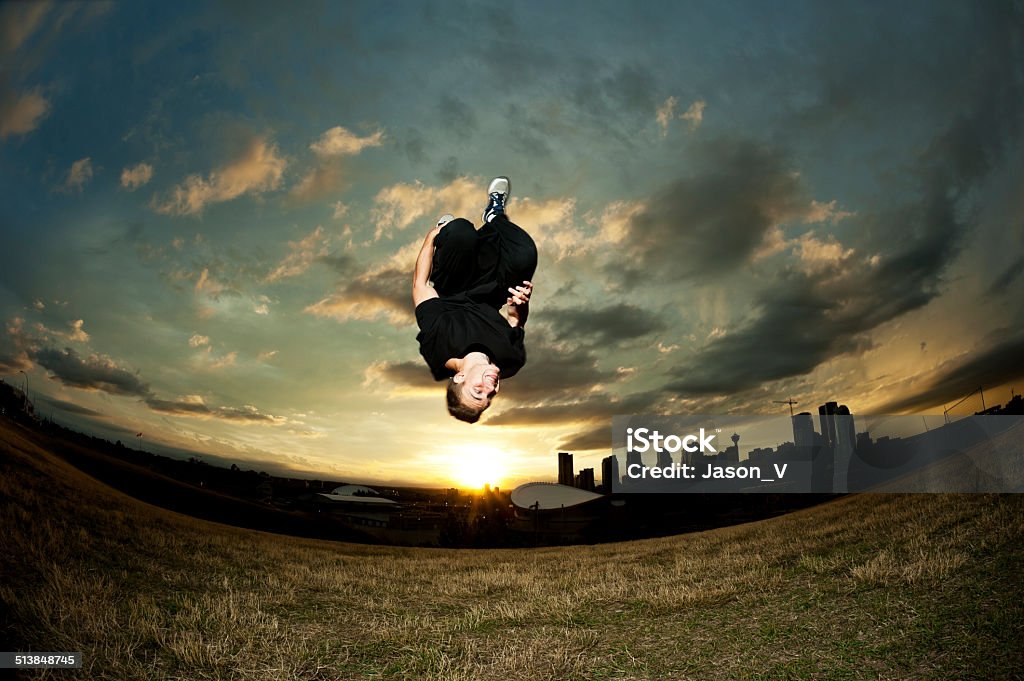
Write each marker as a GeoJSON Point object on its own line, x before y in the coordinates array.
{"type": "Point", "coordinates": [790, 402]}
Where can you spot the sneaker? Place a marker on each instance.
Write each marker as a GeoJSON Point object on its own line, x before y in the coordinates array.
{"type": "Point", "coordinates": [445, 219]}
{"type": "Point", "coordinates": [497, 195]}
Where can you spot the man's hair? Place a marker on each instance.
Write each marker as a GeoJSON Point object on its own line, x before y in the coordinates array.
{"type": "Point", "coordinates": [457, 408]}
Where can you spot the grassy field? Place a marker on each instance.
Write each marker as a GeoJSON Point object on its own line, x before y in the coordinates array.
{"type": "Point", "coordinates": [870, 586]}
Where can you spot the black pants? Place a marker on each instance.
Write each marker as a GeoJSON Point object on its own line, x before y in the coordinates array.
{"type": "Point", "coordinates": [483, 263]}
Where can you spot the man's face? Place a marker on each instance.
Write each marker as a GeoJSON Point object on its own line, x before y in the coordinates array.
{"type": "Point", "coordinates": [479, 384]}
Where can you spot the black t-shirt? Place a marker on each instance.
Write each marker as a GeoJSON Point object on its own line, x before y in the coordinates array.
{"type": "Point", "coordinates": [451, 327]}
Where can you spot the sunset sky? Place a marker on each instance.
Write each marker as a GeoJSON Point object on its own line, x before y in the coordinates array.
{"type": "Point", "coordinates": [211, 211]}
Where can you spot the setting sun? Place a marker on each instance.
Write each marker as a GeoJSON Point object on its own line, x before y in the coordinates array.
{"type": "Point", "coordinates": [473, 466]}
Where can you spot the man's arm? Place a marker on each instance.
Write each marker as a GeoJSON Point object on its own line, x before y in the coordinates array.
{"type": "Point", "coordinates": [421, 288]}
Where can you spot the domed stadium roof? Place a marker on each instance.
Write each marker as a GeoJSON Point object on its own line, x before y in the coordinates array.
{"type": "Point", "coordinates": [357, 494]}
{"type": "Point", "coordinates": [548, 495]}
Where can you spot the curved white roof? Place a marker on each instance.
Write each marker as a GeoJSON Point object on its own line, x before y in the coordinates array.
{"type": "Point", "coordinates": [550, 495]}
{"type": "Point", "coordinates": [352, 489]}
{"type": "Point", "coordinates": [356, 494]}
{"type": "Point", "coordinates": [358, 499]}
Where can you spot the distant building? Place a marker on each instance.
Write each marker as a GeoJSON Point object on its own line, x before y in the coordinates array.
{"type": "Point", "coordinates": [558, 513]}
{"type": "Point", "coordinates": [609, 473]}
{"type": "Point", "coordinates": [826, 415]}
{"type": "Point", "coordinates": [566, 474]}
{"type": "Point", "coordinates": [803, 430]}
{"type": "Point", "coordinates": [585, 480]}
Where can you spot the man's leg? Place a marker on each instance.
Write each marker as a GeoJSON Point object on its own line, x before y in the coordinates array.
{"type": "Point", "coordinates": [454, 263]}
{"type": "Point", "coordinates": [517, 259]}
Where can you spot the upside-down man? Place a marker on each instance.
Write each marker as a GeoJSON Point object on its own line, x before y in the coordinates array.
{"type": "Point", "coordinates": [463, 277]}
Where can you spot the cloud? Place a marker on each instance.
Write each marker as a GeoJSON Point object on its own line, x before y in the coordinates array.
{"type": "Point", "coordinates": [826, 212]}
{"type": "Point", "coordinates": [405, 376]}
{"type": "Point", "coordinates": [604, 326]}
{"type": "Point", "coordinates": [398, 206]}
{"type": "Point", "coordinates": [226, 360]}
{"type": "Point", "coordinates": [68, 407]}
{"type": "Point", "coordinates": [340, 210]}
{"type": "Point", "coordinates": [596, 438]}
{"type": "Point", "coordinates": [339, 141]}
{"type": "Point", "coordinates": [21, 113]}
{"type": "Point", "coordinates": [817, 256]}
{"type": "Point", "coordinates": [550, 223]}
{"type": "Point", "coordinates": [695, 114]}
{"type": "Point", "coordinates": [136, 176]}
{"type": "Point", "coordinates": [589, 407]}
{"type": "Point", "coordinates": [95, 372]}
{"type": "Point", "coordinates": [302, 254]}
{"type": "Point", "coordinates": [711, 221]}
{"type": "Point", "coordinates": [382, 292]}
{"type": "Point", "coordinates": [1002, 283]}
{"type": "Point", "coordinates": [77, 332]}
{"type": "Point", "coordinates": [320, 181]}
{"type": "Point", "coordinates": [615, 222]}
{"type": "Point", "coordinates": [13, 348]}
{"type": "Point", "coordinates": [457, 116]}
{"type": "Point", "coordinates": [998, 363]}
{"type": "Point", "coordinates": [198, 341]}
{"type": "Point", "coordinates": [78, 175]}
{"type": "Point", "coordinates": [195, 406]}
{"type": "Point", "coordinates": [327, 176]}
{"type": "Point", "coordinates": [666, 112]}
{"type": "Point", "coordinates": [18, 21]}
{"type": "Point", "coordinates": [555, 372]}
{"type": "Point", "coordinates": [258, 169]}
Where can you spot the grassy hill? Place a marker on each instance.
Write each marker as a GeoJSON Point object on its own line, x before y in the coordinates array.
{"type": "Point", "coordinates": [869, 586]}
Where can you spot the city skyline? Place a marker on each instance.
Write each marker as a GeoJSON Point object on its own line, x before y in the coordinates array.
{"type": "Point", "coordinates": [212, 212]}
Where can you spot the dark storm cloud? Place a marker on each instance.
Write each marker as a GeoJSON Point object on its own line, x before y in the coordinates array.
{"type": "Point", "coordinates": [246, 414]}
{"type": "Point", "coordinates": [626, 89]}
{"type": "Point", "coordinates": [711, 221]}
{"type": "Point", "coordinates": [449, 170]}
{"type": "Point", "coordinates": [602, 326]}
{"type": "Point", "coordinates": [1006, 277]}
{"type": "Point", "coordinates": [554, 373]}
{"type": "Point", "coordinates": [387, 289]}
{"type": "Point", "coordinates": [1002, 362]}
{"type": "Point", "coordinates": [89, 373]}
{"type": "Point", "coordinates": [180, 407]}
{"type": "Point", "coordinates": [342, 263]}
{"type": "Point", "coordinates": [457, 116]}
{"type": "Point", "coordinates": [584, 440]}
{"type": "Point", "coordinates": [797, 327]}
{"type": "Point", "coordinates": [68, 407]}
{"type": "Point", "coordinates": [415, 374]}
{"type": "Point", "coordinates": [96, 372]}
{"type": "Point", "coordinates": [805, 319]}
{"type": "Point", "coordinates": [13, 360]}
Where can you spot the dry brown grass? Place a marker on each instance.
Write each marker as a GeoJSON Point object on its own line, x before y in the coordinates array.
{"type": "Point", "coordinates": [914, 586]}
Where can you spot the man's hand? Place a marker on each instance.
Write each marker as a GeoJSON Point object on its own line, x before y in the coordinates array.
{"type": "Point", "coordinates": [519, 304]}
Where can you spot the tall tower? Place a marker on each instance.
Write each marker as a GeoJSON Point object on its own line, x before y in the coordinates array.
{"type": "Point", "coordinates": [803, 430]}
{"type": "Point", "coordinates": [566, 475]}
{"type": "Point", "coordinates": [826, 414]}
{"type": "Point", "coordinates": [733, 454]}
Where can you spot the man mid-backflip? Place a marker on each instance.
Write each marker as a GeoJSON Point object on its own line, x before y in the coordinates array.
{"type": "Point", "coordinates": [463, 277]}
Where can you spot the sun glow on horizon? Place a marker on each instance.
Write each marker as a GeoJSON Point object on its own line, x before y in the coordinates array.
{"type": "Point", "coordinates": [473, 466]}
